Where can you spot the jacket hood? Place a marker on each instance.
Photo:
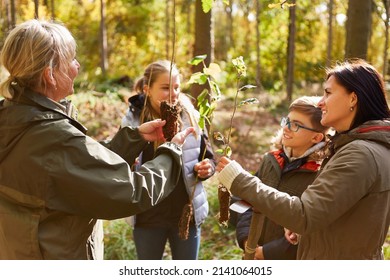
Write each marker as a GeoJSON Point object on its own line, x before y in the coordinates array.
{"type": "Point", "coordinates": [377, 131]}
{"type": "Point", "coordinates": [137, 101]}
{"type": "Point", "coordinates": [22, 112]}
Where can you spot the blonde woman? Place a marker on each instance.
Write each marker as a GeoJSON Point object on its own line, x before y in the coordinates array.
{"type": "Point", "coordinates": [55, 181]}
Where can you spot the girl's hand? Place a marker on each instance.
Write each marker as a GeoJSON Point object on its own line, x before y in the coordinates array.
{"type": "Point", "coordinates": [204, 169]}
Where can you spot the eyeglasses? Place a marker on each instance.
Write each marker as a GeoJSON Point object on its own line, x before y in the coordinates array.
{"type": "Point", "coordinates": [293, 126]}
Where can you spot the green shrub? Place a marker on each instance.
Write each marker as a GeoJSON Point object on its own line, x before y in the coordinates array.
{"type": "Point", "coordinates": [118, 243]}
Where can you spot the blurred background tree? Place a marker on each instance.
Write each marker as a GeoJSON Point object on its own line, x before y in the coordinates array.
{"type": "Point", "coordinates": [118, 38]}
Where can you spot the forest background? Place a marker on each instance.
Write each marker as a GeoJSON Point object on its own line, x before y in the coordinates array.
{"type": "Point", "coordinates": [286, 45]}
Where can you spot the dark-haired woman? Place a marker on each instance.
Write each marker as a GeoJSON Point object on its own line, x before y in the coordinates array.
{"type": "Point", "coordinates": [345, 212]}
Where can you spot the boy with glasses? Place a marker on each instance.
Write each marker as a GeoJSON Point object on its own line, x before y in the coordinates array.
{"type": "Point", "coordinates": [300, 147]}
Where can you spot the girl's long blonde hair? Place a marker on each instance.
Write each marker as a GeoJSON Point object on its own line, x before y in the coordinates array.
{"type": "Point", "coordinates": [151, 73]}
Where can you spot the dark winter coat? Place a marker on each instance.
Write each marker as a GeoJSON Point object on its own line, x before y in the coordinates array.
{"type": "Point", "coordinates": [291, 177]}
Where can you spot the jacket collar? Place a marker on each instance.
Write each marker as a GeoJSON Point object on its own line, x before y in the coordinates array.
{"type": "Point", "coordinates": [377, 131]}
{"type": "Point", "coordinates": [64, 107]}
{"type": "Point", "coordinates": [301, 163]}
{"type": "Point", "coordinates": [136, 102]}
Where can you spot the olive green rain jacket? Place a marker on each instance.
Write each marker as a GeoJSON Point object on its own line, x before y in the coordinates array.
{"type": "Point", "coordinates": [345, 212]}
{"type": "Point", "coordinates": [55, 181]}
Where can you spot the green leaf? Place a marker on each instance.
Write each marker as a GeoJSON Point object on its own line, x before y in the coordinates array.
{"type": "Point", "coordinates": [207, 119]}
{"type": "Point", "coordinates": [228, 151]}
{"type": "Point", "coordinates": [219, 136]}
{"type": "Point", "coordinates": [281, 3]}
{"type": "Point", "coordinates": [198, 78]}
{"type": "Point", "coordinates": [197, 59]}
{"type": "Point", "coordinates": [249, 101]}
{"type": "Point", "coordinates": [202, 96]}
{"type": "Point", "coordinates": [204, 109]}
{"type": "Point", "coordinates": [273, 5]}
{"type": "Point", "coordinates": [201, 122]}
{"type": "Point", "coordinates": [246, 87]}
{"type": "Point", "coordinates": [213, 70]}
{"type": "Point", "coordinates": [212, 108]}
{"type": "Point", "coordinates": [240, 66]}
{"type": "Point", "coordinates": [215, 88]}
{"type": "Point", "coordinates": [207, 5]}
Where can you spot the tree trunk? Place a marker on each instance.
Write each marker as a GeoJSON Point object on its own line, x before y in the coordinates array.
{"type": "Point", "coordinates": [103, 39]}
{"type": "Point", "coordinates": [187, 9]}
{"type": "Point", "coordinates": [167, 30]}
{"type": "Point", "coordinates": [291, 52]}
{"type": "Point", "coordinates": [36, 8]}
{"type": "Point", "coordinates": [358, 28]}
{"type": "Point", "coordinates": [204, 43]}
{"type": "Point", "coordinates": [229, 11]}
{"type": "Point", "coordinates": [13, 14]}
{"type": "Point", "coordinates": [385, 56]}
{"type": "Point", "coordinates": [7, 16]}
{"type": "Point", "coordinates": [330, 34]}
{"type": "Point", "coordinates": [247, 38]}
{"type": "Point", "coordinates": [259, 86]}
{"type": "Point", "coordinates": [52, 9]}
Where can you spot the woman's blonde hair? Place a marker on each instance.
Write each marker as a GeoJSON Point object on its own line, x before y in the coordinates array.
{"type": "Point", "coordinates": [30, 48]}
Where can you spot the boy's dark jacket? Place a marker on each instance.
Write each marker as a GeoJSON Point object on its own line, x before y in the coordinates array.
{"type": "Point", "coordinates": [291, 177]}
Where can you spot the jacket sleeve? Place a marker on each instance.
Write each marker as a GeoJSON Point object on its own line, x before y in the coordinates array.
{"type": "Point", "coordinates": [280, 249]}
{"type": "Point", "coordinates": [84, 178]}
{"type": "Point", "coordinates": [341, 184]}
{"type": "Point", "coordinates": [243, 225]}
{"type": "Point", "coordinates": [125, 144]}
{"type": "Point", "coordinates": [244, 219]}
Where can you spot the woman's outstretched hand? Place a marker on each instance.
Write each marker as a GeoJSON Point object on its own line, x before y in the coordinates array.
{"type": "Point", "coordinates": [152, 131]}
{"type": "Point", "coordinates": [223, 161]}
